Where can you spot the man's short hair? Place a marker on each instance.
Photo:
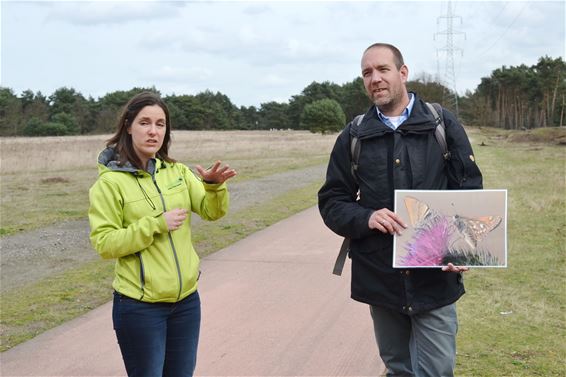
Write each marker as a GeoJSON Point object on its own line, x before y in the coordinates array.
{"type": "Point", "coordinates": [399, 62]}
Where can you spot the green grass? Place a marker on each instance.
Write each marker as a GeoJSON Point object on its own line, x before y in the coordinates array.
{"type": "Point", "coordinates": [33, 309]}
{"type": "Point", "coordinates": [39, 199]}
{"type": "Point", "coordinates": [44, 198]}
{"type": "Point", "coordinates": [512, 321]}
{"type": "Point", "coordinates": [253, 168]}
{"type": "Point", "coordinates": [212, 236]}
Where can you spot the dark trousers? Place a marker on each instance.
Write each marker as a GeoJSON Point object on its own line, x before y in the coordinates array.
{"type": "Point", "coordinates": [420, 345]}
{"type": "Point", "coordinates": [157, 339]}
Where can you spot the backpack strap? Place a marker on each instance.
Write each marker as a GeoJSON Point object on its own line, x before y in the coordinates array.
{"type": "Point", "coordinates": [341, 258]}
{"type": "Point", "coordinates": [440, 131]}
{"type": "Point", "coordinates": [355, 148]}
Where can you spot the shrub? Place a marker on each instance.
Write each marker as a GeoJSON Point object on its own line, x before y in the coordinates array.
{"type": "Point", "coordinates": [36, 127]}
{"type": "Point", "coordinates": [325, 115]}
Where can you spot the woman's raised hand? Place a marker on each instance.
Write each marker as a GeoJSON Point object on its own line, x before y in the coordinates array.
{"type": "Point", "coordinates": [216, 173]}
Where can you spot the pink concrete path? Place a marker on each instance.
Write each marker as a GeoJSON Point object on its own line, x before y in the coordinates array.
{"type": "Point", "coordinates": [271, 307]}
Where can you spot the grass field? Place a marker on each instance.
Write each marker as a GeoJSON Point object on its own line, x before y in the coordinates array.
{"type": "Point", "coordinates": [512, 321]}
{"type": "Point", "coordinates": [47, 179]}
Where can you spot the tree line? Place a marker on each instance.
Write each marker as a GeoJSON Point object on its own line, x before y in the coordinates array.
{"type": "Point", "coordinates": [520, 97]}
{"type": "Point", "coordinates": [511, 98]}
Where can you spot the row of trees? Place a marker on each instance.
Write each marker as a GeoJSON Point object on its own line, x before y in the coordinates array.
{"type": "Point", "coordinates": [520, 97]}
{"type": "Point", "coordinates": [68, 112]}
{"type": "Point", "coordinates": [320, 107]}
{"type": "Point", "coordinates": [514, 97]}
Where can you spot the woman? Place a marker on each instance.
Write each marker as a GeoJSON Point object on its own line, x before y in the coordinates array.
{"type": "Point", "coordinates": [140, 212]}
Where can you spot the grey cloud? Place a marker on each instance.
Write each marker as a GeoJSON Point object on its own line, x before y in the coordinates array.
{"type": "Point", "coordinates": [105, 13]}
{"type": "Point", "coordinates": [246, 44]}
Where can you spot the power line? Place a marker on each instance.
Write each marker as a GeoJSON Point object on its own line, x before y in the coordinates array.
{"type": "Point", "coordinates": [483, 52]}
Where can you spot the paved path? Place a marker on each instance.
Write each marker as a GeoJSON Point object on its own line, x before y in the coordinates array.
{"type": "Point", "coordinates": [271, 307]}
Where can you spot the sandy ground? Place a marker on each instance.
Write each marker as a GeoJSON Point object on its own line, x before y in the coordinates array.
{"type": "Point", "coordinates": [271, 307]}
{"type": "Point", "coordinates": [30, 256]}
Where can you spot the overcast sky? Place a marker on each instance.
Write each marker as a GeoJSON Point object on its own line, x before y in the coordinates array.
{"type": "Point", "coordinates": [259, 51]}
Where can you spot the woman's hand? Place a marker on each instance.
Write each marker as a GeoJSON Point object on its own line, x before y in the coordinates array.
{"type": "Point", "coordinates": [175, 217]}
{"type": "Point", "coordinates": [216, 173]}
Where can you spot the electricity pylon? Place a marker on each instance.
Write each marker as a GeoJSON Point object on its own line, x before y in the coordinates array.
{"type": "Point", "coordinates": [449, 76]}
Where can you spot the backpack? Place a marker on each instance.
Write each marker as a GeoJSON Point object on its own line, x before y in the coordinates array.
{"type": "Point", "coordinates": [355, 148]}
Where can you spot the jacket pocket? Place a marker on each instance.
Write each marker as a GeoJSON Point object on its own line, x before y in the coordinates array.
{"type": "Point", "coordinates": [175, 183]}
{"type": "Point", "coordinates": [177, 197]}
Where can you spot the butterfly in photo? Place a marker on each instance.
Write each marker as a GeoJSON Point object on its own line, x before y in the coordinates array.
{"type": "Point", "coordinates": [474, 230]}
{"type": "Point", "coordinates": [470, 230]}
{"type": "Point", "coordinates": [419, 212]}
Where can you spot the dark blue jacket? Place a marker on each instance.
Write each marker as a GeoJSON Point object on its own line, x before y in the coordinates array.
{"type": "Point", "coordinates": [408, 158]}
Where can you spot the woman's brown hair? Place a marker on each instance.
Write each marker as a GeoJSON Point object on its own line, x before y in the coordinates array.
{"type": "Point", "coordinates": [122, 140]}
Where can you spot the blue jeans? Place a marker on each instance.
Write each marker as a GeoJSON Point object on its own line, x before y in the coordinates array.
{"type": "Point", "coordinates": [157, 339]}
{"type": "Point", "coordinates": [419, 345]}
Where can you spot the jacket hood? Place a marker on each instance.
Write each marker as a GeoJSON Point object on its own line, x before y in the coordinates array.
{"type": "Point", "coordinates": [109, 160]}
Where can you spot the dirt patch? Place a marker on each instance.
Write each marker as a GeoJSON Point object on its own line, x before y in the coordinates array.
{"type": "Point", "coordinates": [55, 180]}
{"type": "Point", "coordinates": [548, 135]}
{"type": "Point", "coordinates": [30, 256]}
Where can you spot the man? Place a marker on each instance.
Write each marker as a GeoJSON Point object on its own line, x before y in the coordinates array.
{"type": "Point", "coordinates": [413, 310]}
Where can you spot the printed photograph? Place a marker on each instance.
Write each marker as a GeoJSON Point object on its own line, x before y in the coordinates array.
{"type": "Point", "coordinates": [465, 228]}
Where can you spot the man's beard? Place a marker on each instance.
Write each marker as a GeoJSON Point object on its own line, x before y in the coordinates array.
{"type": "Point", "coordinates": [384, 103]}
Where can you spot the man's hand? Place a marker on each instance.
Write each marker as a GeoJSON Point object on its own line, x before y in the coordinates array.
{"type": "Point", "coordinates": [386, 221]}
{"type": "Point", "coordinates": [451, 268]}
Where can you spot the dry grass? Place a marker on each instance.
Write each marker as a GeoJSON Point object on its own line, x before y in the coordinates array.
{"type": "Point", "coordinates": [22, 154]}
{"type": "Point", "coordinates": [537, 136]}
{"type": "Point", "coordinates": [45, 180]}
{"type": "Point", "coordinates": [66, 152]}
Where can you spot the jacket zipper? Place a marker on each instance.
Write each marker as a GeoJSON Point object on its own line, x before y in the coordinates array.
{"type": "Point", "coordinates": [142, 275]}
{"type": "Point", "coordinates": [170, 239]}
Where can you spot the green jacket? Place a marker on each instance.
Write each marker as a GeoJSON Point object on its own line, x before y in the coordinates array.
{"type": "Point", "coordinates": [127, 223]}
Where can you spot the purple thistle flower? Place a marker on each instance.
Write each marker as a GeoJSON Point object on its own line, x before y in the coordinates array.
{"type": "Point", "coordinates": [429, 244]}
